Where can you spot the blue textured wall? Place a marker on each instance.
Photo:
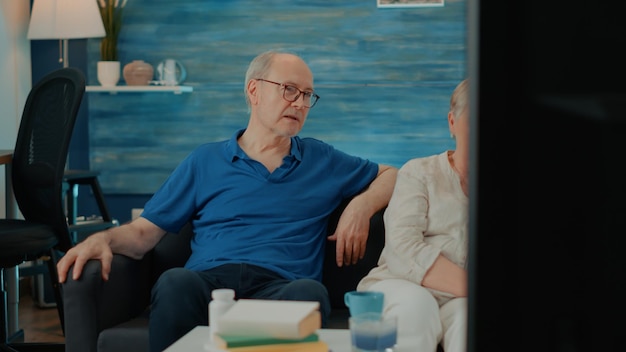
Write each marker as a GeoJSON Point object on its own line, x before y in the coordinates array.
{"type": "Point", "coordinates": [384, 77]}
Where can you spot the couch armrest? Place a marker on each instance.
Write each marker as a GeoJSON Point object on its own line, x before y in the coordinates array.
{"type": "Point", "coordinates": [92, 305]}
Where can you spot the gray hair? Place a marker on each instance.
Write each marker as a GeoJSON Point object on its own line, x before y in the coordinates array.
{"type": "Point", "coordinates": [459, 98]}
{"type": "Point", "coordinates": [259, 67]}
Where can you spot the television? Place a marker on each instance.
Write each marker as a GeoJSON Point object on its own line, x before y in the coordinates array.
{"type": "Point", "coordinates": [547, 250]}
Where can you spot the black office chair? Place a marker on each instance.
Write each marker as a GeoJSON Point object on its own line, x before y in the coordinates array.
{"type": "Point", "coordinates": [38, 167]}
{"type": "Point", "coordinates": [80, 229]}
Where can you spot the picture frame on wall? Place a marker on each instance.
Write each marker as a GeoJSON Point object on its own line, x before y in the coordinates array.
{"type": "Point", "coordinates": [409, 3]}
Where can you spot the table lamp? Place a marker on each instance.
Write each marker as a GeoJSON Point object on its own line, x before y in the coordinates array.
{"type": "Point", "coordinates": [63, 20]}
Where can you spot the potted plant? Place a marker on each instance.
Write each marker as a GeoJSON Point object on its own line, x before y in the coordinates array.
{"type": "Point", "coordinates": [109, 64]}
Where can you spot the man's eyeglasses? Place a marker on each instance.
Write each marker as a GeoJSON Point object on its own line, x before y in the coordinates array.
{"type": "Point", "coordinates": [291, 93]}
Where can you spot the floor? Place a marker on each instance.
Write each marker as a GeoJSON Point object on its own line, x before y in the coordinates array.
{"type": "Point", "coordinates": [38, 324]}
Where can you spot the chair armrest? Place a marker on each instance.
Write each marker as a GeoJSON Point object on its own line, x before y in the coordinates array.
{"type": "Point", "coordinates": [92, 305]}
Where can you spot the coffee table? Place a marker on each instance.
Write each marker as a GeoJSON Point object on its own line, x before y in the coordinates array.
{"type": "Point", "coordinates": [198, 340]}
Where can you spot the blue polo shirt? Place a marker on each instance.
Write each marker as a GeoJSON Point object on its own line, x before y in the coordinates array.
{"type": "Point", "coordinates": [241, 213]}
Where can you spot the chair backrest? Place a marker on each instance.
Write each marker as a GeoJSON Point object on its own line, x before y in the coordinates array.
{"type": "Point", "coordinates": [41, 149]}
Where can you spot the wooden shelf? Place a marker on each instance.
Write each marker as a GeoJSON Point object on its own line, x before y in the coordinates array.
{"type": "Point", "coordinates": [140, 89]}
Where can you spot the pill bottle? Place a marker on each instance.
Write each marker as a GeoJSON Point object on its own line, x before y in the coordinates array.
{"type": "Point", "coordinates": [222, 300]}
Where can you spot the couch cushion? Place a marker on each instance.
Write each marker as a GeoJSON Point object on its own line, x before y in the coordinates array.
{"type": "Point", "coordinates": [172, 251]}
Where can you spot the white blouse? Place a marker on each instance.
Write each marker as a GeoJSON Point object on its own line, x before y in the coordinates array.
{"type": "Point", "coordinates": [427, 215]}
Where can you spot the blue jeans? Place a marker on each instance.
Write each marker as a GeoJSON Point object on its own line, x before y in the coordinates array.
{"type": "Point", "coordinates": [180, 297]}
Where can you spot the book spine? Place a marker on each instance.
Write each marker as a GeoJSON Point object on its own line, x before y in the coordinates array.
{"type": "Point", "coordinates": [285, 330]}
{"type": "Point", "coordinates": [316, 346]}
{"type": "Point", "coordinates": [230, 341]}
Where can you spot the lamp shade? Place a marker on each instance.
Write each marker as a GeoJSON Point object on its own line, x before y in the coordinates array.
{"type": "Point", "coordinates": [65, 19]}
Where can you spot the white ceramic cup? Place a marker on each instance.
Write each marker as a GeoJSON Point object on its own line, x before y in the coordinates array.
{"type": "Point", "coordinates": [108, 73]}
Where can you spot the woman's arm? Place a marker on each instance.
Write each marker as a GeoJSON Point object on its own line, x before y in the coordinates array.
{"type": "Point", "coordinates": [446, 276]}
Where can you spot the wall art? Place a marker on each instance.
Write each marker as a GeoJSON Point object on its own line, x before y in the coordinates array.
{"type": "Point", "coordinates": [410, 3]}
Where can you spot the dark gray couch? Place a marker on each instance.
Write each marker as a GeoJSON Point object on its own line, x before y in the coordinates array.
{"type": "Point", "coordinates": [113, 316]}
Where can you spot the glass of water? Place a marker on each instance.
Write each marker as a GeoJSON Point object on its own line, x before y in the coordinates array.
{"type": "Point", "coordinates": [373, 333]}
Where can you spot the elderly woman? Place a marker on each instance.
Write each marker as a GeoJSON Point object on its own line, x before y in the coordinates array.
{"type": "Point", "coordinates": [422, 269]}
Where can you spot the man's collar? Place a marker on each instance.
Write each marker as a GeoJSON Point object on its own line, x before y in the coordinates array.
{"type": "Point", "coordinates": [235, 152]}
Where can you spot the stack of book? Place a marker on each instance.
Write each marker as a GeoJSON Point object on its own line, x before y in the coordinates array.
{"type": "Point", "coordinates": [253, 325]}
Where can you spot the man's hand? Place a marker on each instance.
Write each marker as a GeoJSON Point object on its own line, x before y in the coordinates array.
{"type": "Point", "coordinates": [93, 247]}
{"type": "Point", "coordinates": [132, 239]}
{"type": "Point", "coordinates": [351, 236]}
{"type": "Point", "coordinates": [354, 224]}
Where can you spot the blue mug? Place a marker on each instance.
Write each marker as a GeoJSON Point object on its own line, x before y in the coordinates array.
{"type": "Point", "coordinates": [360, 302]}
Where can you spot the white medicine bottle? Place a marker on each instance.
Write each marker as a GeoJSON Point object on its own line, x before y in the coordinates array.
{"type": "Point", "coordinates": [222, 300]}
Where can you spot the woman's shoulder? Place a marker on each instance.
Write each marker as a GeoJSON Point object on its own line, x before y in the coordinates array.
{"type": "Point", "coordinates": [425, 163]}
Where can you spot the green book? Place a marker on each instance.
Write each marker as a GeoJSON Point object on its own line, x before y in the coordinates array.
{"type": "Point", "coordinates": [230, 341]}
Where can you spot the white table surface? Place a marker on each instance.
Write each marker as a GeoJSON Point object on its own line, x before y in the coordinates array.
{"type": "Point", "coordinates": [198, 340]}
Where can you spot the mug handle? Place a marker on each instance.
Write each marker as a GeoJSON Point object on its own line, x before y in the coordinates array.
{"type": "Point", "coordinates": [346, 299]}
{"type": "Point", "coordinates": [160, 70]}
{"type": "Point", "coordinates": [183, 72]}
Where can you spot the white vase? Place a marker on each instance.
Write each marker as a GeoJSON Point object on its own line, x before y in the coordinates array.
{"type": "Point", "coordinates": [108, 73]}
